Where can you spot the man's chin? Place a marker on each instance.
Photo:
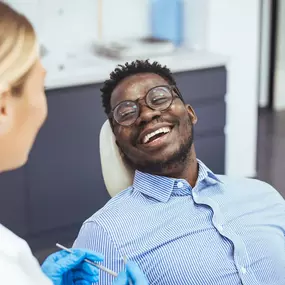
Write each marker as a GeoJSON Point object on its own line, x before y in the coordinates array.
{"type": "Point", "coordinates": [162, 161]}
{"type": "Point", "coordinates": [160, 166]}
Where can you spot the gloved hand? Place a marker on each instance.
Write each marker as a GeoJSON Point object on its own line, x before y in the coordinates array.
{"type": "Point", "coordinates": [65, 268]}
{"type": "Point", "coordinates": [132, 273]}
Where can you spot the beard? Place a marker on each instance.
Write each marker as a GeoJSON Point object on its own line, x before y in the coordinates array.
{"type": "Point", "coordinates": [164, 165]}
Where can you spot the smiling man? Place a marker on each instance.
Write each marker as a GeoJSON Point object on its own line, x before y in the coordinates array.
{"type": "Point", "coordinates": [179, 221]}
{"type": "Point", "coordinates": [149, 141]}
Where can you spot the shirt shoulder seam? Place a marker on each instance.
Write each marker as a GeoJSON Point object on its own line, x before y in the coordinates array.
{"type": "Point", "coordinates": [108, 234]}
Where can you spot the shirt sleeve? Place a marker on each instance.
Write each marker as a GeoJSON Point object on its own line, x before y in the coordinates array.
{"type": "Point", "coordinates": [93, 237]}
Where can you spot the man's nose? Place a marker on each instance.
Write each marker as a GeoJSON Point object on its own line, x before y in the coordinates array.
{"type": "Point", "coordinates": [146, 115]}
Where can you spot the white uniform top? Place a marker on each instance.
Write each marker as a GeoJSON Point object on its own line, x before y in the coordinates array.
{"type": "Point", "coordinates": [17, 264]}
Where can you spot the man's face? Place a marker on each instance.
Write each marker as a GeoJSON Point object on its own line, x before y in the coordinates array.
{"type": "Point", "coordinates": [162, 151]}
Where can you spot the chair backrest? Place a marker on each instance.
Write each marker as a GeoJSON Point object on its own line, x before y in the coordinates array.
{"type": "Point", "coordinates": [117, 176]}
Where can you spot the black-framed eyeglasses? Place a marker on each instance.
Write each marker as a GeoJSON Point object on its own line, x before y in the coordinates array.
{"type": "Point", "coordinates": [157, 98]}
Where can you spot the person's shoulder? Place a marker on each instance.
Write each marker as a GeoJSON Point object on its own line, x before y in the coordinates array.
{"type": "Point", "coordinates": [17, 264]}
{"type": "Point", "coordinates": [11, 244]}
{"type": "Point", "coordinates": [243, 180]}
{"type": "Point", "coordinates": [247, 184]}
{"type": "Point", "coordinates": [115, 207]}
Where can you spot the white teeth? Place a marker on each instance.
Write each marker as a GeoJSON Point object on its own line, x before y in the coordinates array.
{"type": "Point", "coordinates": [164, 130]}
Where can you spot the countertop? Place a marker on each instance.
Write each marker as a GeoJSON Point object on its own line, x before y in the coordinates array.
{"type": "Point", "coordinates": [90, 69]}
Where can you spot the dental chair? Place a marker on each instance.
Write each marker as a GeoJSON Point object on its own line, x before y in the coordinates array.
{"type": "Point", "coordinates": [117, 176]}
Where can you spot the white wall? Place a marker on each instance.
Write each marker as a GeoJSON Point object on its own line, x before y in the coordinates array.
{"type": "Point", "coordinates": [64, 25]}
{"type": "Point", "coordinates": [69, 25]}
{"type": "Point", "coordinates": [233, 30]}
{"type": "Point", "coordinates": [279, 82]}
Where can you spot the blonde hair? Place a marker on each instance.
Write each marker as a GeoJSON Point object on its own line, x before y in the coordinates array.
{"type": "Point", "coordinates": [18, 49]}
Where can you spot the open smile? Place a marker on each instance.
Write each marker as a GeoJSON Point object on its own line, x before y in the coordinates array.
{"type": "Point", "coordinates": [155, 138]}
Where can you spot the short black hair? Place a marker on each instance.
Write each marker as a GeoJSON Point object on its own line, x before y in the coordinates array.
{"type": "Point", "coordinates": [128, 69]}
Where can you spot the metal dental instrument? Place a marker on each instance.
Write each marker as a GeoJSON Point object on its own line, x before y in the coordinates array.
{"type": "Point", "coordinates": [103, 268]}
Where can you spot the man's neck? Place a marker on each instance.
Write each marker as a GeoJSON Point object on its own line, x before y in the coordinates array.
{"type": "Point", "coordinates": [188, 170]}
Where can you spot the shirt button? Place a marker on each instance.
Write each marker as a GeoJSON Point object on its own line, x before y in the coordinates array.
{"type": "Point", "coordinates": [243, 270]}
{"type": "Point", "coordinates": [179, 184]}
{"type": "Point", "coordinates": [220, 228]}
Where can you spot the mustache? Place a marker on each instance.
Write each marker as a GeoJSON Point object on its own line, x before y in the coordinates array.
{"type": "Point", "coordinates": [137, 131]}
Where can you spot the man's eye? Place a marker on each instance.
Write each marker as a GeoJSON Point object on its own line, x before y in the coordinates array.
{"type": "Point", "coordinates": [159, 100]}
{"type": "Point", "coordinates": [127, 114]}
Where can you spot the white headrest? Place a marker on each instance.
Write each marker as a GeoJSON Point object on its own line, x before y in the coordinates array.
{"type": "Point", "coordinates": [117, 176]}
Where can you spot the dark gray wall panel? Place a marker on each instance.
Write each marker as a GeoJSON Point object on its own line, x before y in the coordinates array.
{"type": "Point", "coordinates": [65, 181]}
{"type": "Point", "coordinates": [202, 84]}
{"type": "Point", "coordinates": [211, 116]}
{"type": "Point", "coordinates": [211, 150]}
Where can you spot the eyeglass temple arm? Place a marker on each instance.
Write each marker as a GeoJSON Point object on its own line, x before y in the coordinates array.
{"type": "Point", "coordinates": [178, 93]}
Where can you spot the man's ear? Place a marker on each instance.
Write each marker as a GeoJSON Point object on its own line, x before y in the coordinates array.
{"type": "Point", "coordinates": [192, 114]}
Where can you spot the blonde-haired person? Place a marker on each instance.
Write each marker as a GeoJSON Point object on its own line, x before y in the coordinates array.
{"type": "Point", "coordinates": [23, 109]}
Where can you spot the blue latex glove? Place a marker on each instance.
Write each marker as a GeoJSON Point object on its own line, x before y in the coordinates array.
{"type": "Point", "coordinates": [65, 268]}
{"type": "Point", "coordinates": [132, 273]}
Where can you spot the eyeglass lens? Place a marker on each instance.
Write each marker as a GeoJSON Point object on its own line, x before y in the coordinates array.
{"type": "Point", "coordinates": [158, 98]}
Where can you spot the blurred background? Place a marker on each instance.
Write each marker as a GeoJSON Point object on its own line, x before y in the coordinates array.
{"type": "Point", "coordinates": [228, 58]}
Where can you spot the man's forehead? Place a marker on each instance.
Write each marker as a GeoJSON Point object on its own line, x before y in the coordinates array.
{"type": "Point", "coordinates": [135, 85]}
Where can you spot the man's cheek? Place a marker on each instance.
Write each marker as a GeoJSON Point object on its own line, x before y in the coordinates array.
{"type": "Point", "coordinates": [133, 154]}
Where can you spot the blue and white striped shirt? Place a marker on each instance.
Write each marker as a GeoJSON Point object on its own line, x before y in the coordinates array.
{"type": "Point", "coordinates": [222, 231]}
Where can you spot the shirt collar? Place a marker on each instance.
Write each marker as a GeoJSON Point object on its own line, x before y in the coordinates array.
{"type": "Point", "coordinates": [206, 173]}
{"type": "Point", "coordinates": [161, 187]}
{"type": "Point", "coordinates": [157, 187]}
